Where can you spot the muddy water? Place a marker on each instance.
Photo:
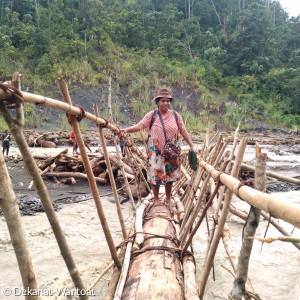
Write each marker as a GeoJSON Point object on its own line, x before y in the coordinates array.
{"type": "Point", "coordinates": [274, 270]}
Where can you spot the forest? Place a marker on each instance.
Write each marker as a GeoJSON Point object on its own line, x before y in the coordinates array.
{"type": "Point", "coordinates": [241, 56]}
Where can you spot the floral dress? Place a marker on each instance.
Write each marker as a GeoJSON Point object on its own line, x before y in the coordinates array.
{"type": "Point", "coordinates": [159, 171]}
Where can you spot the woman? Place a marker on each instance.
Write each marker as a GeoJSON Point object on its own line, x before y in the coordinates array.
{"type": "Point", "coordinates": [160, 171]}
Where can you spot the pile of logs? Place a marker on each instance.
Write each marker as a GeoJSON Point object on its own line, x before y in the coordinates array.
{"type": "Point", "coordinates": [270, 139]}
{"type": "Point", "coordinates": [70, 167]}
{"type": "Point", "coordinates": [62, 138]}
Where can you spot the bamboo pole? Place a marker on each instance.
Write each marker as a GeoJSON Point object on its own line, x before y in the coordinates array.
{"type": "Point", "coordinates": [213, 248]}
{"type": "Point", "coordinates": [52, 103]}
{"type": "Point", "coordinates": [114, 278]}
{"type": "Point", "coordinates": [119, 156]}
{"type": "Point", "coordinates": [217, 147]}
{"type": "Point", "coordinates": [189, 274]}
{"type": "Point", "coordinates": [287, 211]}
{"type": "Point", "coordinates": [139, 170]}
{"type": "Point", "coordinates": [139, 222]}
{"type": "Point", "coordinates": [111, 175]}
{"type": "Point", "coordinates": [10, 209]}
{"type": "Point", "coordinates": [141, 134]}
{"type": "Point", "coordinates": [92, 182]}
{"type": "Point", "coordinates": [274, 175]}
{"type": "Point", "coordinates": [123, 276]}
{"type": "Point", "coordinates": [195, 212]}
{"type": "Point", "coordinates": [267, 217]}
{"type": "Point", "coordinates": [16, 129]}
{"type": "Point", "coordinates": [218, 159]}
{"type": "Point", "coordinates": [208, 204]}
{"type": "Point", "coordinates": [234, 259]}
{"type": "Point", "coordinates": [250, 228]}
{"type": "Point", "coordinates": [190, 197]}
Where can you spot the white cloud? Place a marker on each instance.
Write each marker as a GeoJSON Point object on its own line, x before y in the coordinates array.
{"type": "Point", "coordinates": [291, 6]}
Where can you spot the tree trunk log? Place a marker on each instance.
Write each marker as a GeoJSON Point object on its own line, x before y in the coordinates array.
{"type": "Point", "coordinates": [155, 273]}
{"type": "Point", "coordinates": [72, 174]}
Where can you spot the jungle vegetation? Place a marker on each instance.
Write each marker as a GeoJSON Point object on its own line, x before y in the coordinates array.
{"type": "Point", "coordinates": [242, 55]}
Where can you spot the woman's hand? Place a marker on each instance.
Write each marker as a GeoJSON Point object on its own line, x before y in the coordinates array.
{"type": "Point", "coordinates": [123, 132]}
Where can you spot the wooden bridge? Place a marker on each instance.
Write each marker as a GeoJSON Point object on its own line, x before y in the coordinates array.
{"type": "Point", "coordinates": [156, 258]}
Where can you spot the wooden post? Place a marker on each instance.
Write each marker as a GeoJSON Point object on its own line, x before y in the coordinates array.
{"type": "Point", "coordinates": [110, 115]}
{"type": "Point", "coordinates": [250, 228]}
{"type": "Point", "coordinates": [213, 248]}
{"type": "Point", "coordinates": [10, 209]}
{"type": "Point", "coordinates": [89, 172]}
{"type": "Point", "coordinates": [111, 175]}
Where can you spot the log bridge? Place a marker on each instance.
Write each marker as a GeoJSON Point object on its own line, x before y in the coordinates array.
{"type": "Point", "coordinates": [156, 258]}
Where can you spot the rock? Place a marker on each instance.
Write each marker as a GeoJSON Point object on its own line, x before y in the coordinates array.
{"type": "Point", "coordinates": [295, 149]}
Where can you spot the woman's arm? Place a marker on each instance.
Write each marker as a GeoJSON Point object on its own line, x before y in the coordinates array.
{"type": "Point", "coordinates": [132, 129]}
{"type": "Point", "coordinates": [188, 139]}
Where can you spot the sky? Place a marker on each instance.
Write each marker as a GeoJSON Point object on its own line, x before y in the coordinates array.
{"type": "Point", "coordinates": [291, 6]}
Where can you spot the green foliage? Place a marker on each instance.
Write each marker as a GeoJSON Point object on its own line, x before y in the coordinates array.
{"type": "Point", "coordinates": [3, 125]}
{"type": "Point", "coordinates": [146, 44]}
{"type": "Point", "coordinates": [193, 122]}
{"type": "Point", "coordinates": [31, 118]}
{"type": "Point", "coordinates": [83, 126]}
{"type": "Point", "coordinates": [63, 122]}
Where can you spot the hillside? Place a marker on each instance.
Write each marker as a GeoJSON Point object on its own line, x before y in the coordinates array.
{"type": "Point", "coordinates": [235, 58]}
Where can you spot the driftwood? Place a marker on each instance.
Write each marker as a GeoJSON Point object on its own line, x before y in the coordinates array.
{"type": "Point", "coordinates": [51, 160]}
{"type": "Point", "coordinates": [75, 175]}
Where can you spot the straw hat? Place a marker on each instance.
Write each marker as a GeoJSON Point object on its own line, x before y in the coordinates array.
{"type": "Point", "coordinates": [163, 93]}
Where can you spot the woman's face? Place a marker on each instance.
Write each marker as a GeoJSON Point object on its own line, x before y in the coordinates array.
{"type": "Point", "coordinates": [164, 104]}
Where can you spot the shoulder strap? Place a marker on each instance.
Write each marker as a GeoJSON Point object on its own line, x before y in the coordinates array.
{"type": "Point", "coordinates": [176, 117]}
{"type": "Point", "coordinates": [163, 125]}
{"type": "Point", "coordinates": [153, 118]}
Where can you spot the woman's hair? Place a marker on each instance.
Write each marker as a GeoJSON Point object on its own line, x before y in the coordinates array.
{"type": "Point", "coordinates": [157, 100]}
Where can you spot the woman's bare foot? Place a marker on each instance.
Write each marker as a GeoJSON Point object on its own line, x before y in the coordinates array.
{"type": "Point", "coordinates": [170, 203]}
{"type": "Point", "coordinates": [156, 202]}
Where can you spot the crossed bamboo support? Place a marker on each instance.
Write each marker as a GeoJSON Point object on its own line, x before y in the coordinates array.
{"type": "Point", "coordinates": [92, 182]}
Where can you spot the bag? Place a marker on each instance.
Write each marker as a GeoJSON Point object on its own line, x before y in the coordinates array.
{"type": "Point", "coordinates": [170, 151]}
{"type": "Point", "coordinates": [193, 160]}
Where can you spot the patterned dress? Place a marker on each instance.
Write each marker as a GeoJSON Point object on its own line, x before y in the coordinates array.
{"type": "Point", "coordinates": [159, 171]}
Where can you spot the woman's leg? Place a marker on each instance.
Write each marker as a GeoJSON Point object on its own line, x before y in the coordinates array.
{"type": "Point", "coordinates": [168, 188]}
{"type": "Point", "coordinates": [155, 190]}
